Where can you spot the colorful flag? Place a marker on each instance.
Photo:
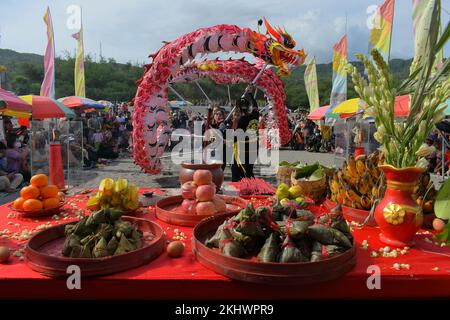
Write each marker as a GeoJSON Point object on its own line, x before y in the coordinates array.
{"type": "Point", "coordinates": [48, 84]}
{"type": "Point", "coordinates": [80, 90]}
{"type": "Point", "coordinates": [421, 15]}
{"type": "Point", "coordinates": [380, 35]}
{"type": "Point", "coordinates": [339, 89]}
{"type": "Point", "coordinates": [311, 85]}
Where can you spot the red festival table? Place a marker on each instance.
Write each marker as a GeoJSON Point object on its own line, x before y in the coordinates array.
{"type": "Point", "coordinates": [184, 278]}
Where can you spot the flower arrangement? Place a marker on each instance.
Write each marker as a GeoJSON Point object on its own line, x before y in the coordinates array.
{"type": "Point", "coordinates": [402, 141]}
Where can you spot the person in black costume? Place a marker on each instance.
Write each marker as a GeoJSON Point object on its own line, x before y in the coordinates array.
{"type": "Point", "coordinates": [247, 119]}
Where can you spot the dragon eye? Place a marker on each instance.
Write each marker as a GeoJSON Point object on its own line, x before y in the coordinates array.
{"type": "Point", "coordinates": [288, 43]}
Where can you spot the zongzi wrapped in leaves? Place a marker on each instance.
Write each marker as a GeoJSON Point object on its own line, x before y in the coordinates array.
{"type": "Point", "coordinates": [316, 251]}
{"type": "Point", "coordinates": [76, 251]}
{"type": "Point", "coordinates": [220, 234]}
{"type": "Point", "coordinates": [104, 230]}
{"type": "Point", "coordinates": [304, 215]}
{"type": "Point", "coordinates": [270, 250]}
{"type": "Point", "coordinates": [124, 226]}
{"type": "Point", "coordinates": [297, 229]}
{"type": "Point", "coordinates": [69, 229]}
{"type": "Point", "coordinates": [124, 246]}
{"type": "Point", "coordinates": [342, 225]}
{"type": "Point", "coordinates": [100, 250]}
{"type": "Point", "coordinates": [112, 246]}
{"type": "Point", "coordinates": [71, 241]}
{"type": "Point", "coordinates": [327, 235]}
{"type": "Point", "coordinates": [114, 215]}
{"type": "Point", "coordinates": [290, 253]}
{"type": "Point", "coordinates": [246, 214]}
{"type": "Point", "coordinates": [305, 247]}
{"type": "Point", "coordinates": [85, 252]}
{"type": "Point", "coordinates": [81, 228]}
{"type": "Point", "coordinates": [250, 228]}
{"type": "Point", "coordinates": [333, 250]}
{"type": "Point", "coordinates": [262, 213]}
{"type": "Point", "coordinates": [232, 248]}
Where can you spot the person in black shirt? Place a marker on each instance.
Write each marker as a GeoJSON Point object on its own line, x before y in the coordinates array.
{"type": "Point", "coordinates": [248, 119]}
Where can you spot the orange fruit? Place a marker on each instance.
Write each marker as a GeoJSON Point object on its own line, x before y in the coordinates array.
{"type": "Point", "coordinates": [51, 203]}
{"type": "Point", "coordinates": [50, 191]}
{"type": "Point", "coordinates": [18, 203]}
{"type": "Point", "coordinates": [39, 180]}
{"type": "Point", "coordinates": [32, 205]}
{"type": "Point", "coordinates": [29, 192]}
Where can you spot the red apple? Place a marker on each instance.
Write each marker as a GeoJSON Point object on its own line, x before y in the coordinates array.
{"type": "Point", "coordinates": [206, 208]}
{"type": "Point", "coordinates": [188, 190]}
{"type": "Point", "coordinates": [220, 204]}
{"type": "Point", "coordinates": [188, 206]}
{"type": "Point", "coordinates": [202, 177]}
{"type": "Point", "coordinates": [205, 192]}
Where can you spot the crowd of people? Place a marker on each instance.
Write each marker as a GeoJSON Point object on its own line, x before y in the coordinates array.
{"type": "Point", "coordinates": [106, 135]}
{"type": "Point", "coordinates": [14, 156]}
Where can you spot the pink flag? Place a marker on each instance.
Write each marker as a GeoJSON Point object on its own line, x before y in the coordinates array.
{"type": "Point", "coordinates": [48, 85]}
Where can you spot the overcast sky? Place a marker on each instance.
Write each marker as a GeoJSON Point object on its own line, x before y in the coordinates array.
{"type": "Point", "coordinates": [129, 30]}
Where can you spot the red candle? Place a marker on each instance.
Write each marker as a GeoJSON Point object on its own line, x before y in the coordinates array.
{"type": "Point", "coordinates": [56, 165]}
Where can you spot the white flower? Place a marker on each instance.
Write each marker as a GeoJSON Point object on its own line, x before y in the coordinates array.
{"type": "Point", "coordinates": [422, 163]}
{"type": "Point", "coordinates": [425, 150]}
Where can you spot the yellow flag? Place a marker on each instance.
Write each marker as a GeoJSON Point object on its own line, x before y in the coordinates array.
{"type": "Point", "coordinates": [80, 89]}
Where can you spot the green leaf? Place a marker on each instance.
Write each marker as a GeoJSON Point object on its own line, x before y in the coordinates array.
{"type": "Point", "coordinates": [306, 171]}
{"type": "Point", "coordinates": [444, 236]}
{"type": "Point", "coordinates": [317, 175]}
{"type": "Point", "coordinates": [284, 164]}
{"type": "Point", "coordinates": [445, 36]}
{"type": "Point", "coordinates": [442, 203]}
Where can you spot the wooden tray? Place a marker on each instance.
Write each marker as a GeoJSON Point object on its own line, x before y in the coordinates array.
{"type": "Point", "coordinates": [164, 210]}
{"type": "Point", "coordinates": [352, 214]}
{"type": "Point", "coordinates": [44, 255]}
{"type": "Point", "coordinates": [301, 273]}
{"type": "Point", "coordinates": [38, 213]}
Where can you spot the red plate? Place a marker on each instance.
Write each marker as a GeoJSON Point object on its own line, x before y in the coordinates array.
{"type": "Point", "coordinates": [39, 213]}
{"type": "Point", "coordinates": [169, 210]}
{"type": "Point", "coordinates": [44, 255]}
{"type": "Point", "coordinates": [249, 270]}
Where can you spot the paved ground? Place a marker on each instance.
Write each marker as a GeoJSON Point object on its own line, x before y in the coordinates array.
{"type": "Point", "coordinates": [125, 168]}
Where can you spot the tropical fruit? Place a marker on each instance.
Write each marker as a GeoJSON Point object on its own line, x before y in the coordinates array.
{"type": "Point", "coordinates": [358, 184]}
{"type": "Point", "coordinates": [32, 205]}
{"type": "Point", "coordinates": [29, 192]}
{"type": "Point", "coordinates": [282, 191]}
{"type": "Point", "coordinates": [118, 194]}
{"type": "Point", "coordinates": [39, 180]}
{"type": "Point", "coordinates": [18, 203]}
{"type": "Point", "coordinates": [50, 191]}
{"type": "Point", "coordinates": [50, 203]}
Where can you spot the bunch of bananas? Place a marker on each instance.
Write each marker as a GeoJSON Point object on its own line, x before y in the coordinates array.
{"type": "Point", "coordinates": [115, 194]}
{"type": "Point", "coordinates": [358, 183]}
{"type": "Point", "coordinates": [425, 193]}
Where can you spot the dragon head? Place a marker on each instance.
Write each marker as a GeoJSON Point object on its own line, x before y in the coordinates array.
{"type": "Point", "coordinates": [277, 48]}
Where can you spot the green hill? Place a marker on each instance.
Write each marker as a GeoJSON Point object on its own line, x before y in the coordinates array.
{"type": "Point", "coordinates": [109, 80]}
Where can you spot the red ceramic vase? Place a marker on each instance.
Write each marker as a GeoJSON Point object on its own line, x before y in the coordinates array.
{"type": "Point", "coordinates": [398, 215]}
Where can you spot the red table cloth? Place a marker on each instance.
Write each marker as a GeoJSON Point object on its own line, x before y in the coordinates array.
{"type": "Point", "coordinates": [428, 275]}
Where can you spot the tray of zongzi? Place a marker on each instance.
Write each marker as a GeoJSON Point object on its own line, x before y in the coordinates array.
{"type": "Point", "coordinates": [276, 245]}
{"type": "Point", "coordinates": [103, 243]}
